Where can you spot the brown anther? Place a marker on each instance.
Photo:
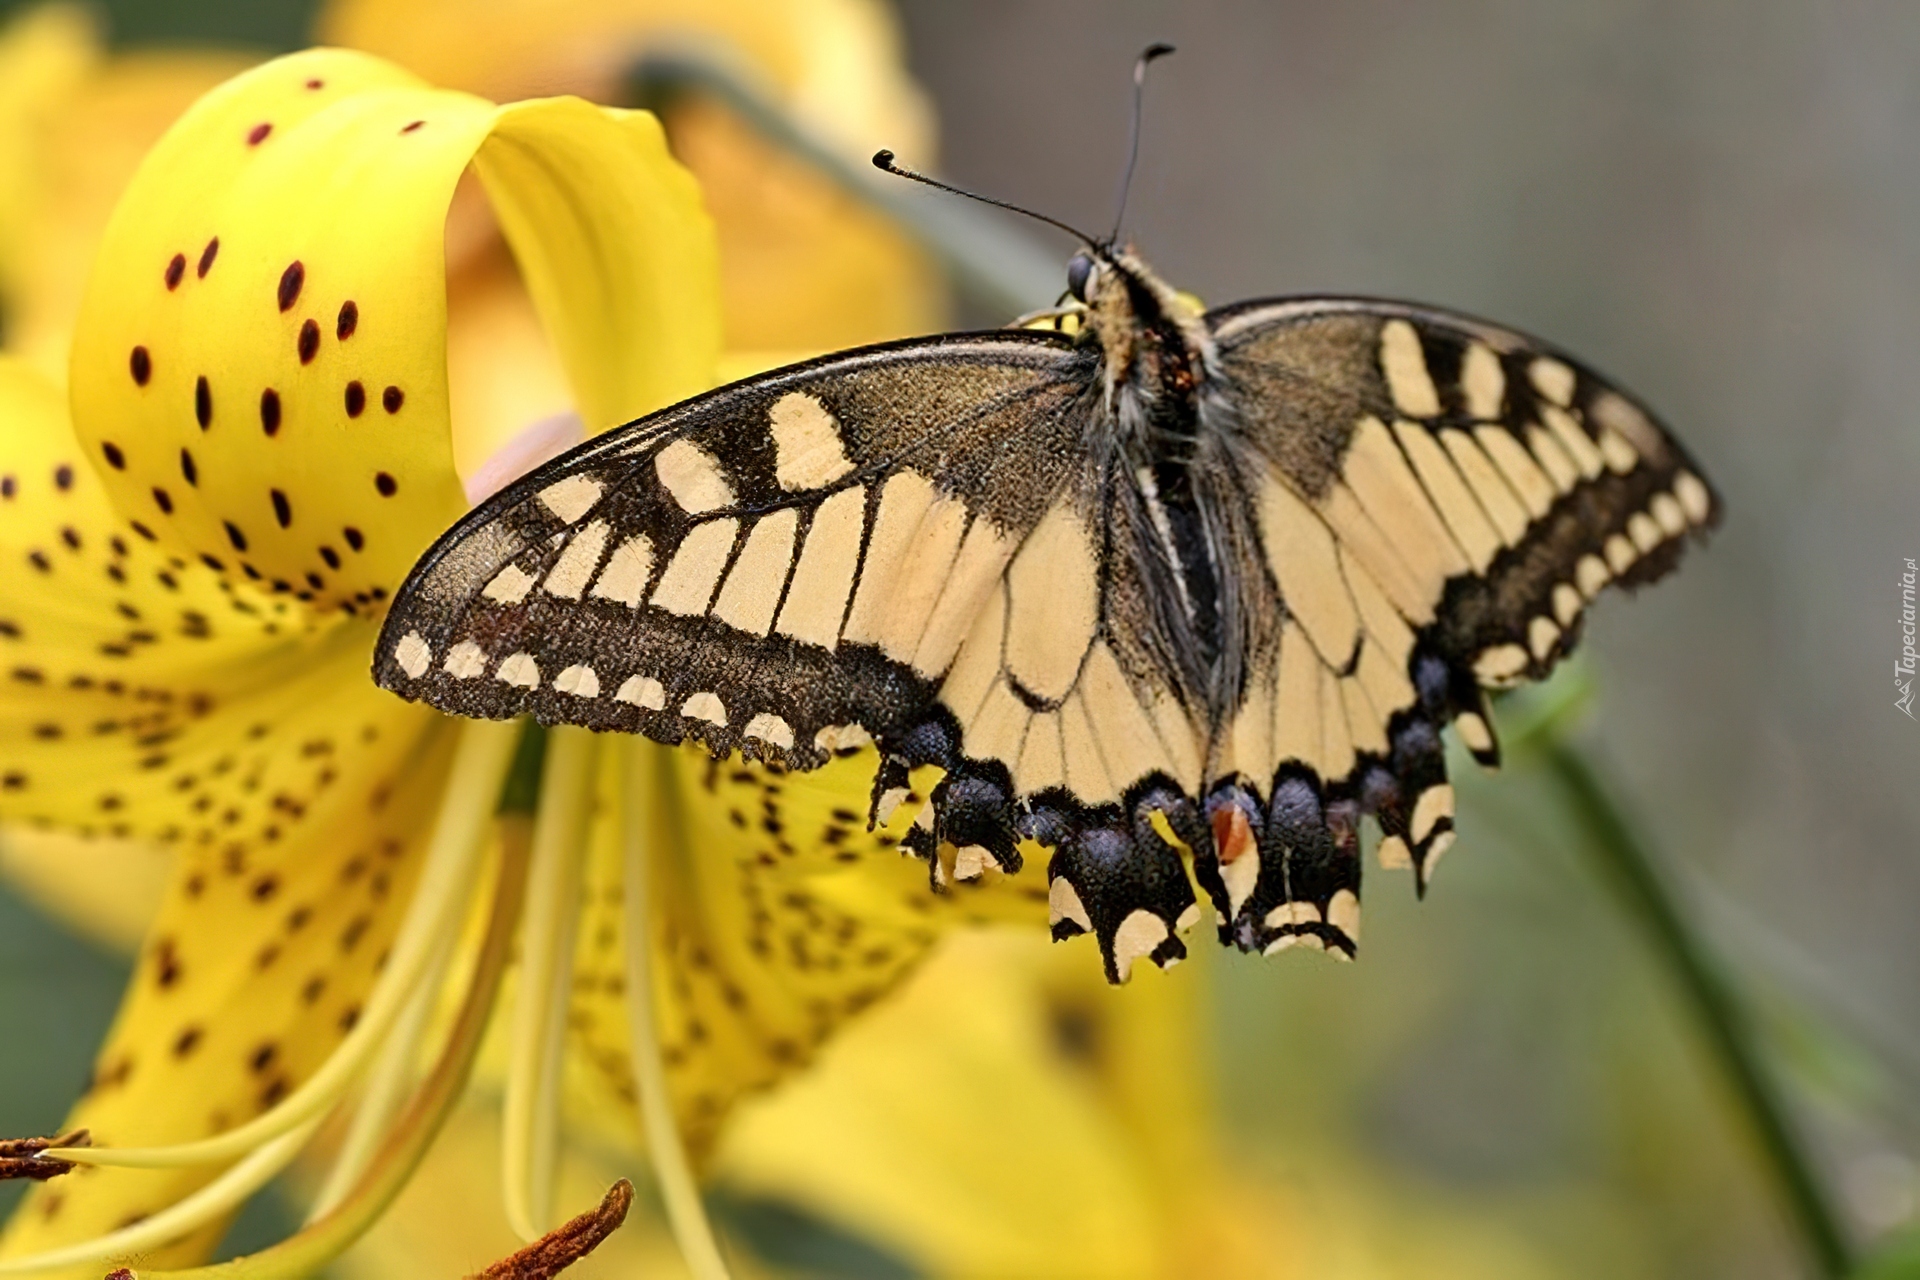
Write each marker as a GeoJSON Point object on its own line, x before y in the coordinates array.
{"type": "Point", "coordinates": [562, 1247]}
{"type": "Point", "coordinates": [122, 1273]}
{"type": "Point", "coordinates": [22, 1158]}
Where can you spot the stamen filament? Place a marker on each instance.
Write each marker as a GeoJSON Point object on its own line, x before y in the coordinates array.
{"type": "Point", "coordinates": [685, 1211]}
{"type": "Point", "coordinates": [530, 1123]}
{"type": "Point", "coordinates": [480, 762]}
{"type": "Point", "coordinates": [181, 1217]}
{"type": "Point", "coordinates": [308, 1251]}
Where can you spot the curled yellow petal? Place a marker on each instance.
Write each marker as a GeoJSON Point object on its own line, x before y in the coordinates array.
{"type": "Point", "coordinates": [260, 363]}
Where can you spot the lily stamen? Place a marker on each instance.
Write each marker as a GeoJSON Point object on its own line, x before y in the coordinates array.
{"type": "Point", "coordinates": [26, 1158]}
{"type": "Point", "coordinates": [568, 1243]}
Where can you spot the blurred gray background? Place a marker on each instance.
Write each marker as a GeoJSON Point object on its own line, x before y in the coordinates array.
{"type": "Point", "coordinates": [1718, 204]}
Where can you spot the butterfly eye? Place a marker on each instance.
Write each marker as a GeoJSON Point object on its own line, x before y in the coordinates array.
{"type": "Point", "coordinates": [1079, 275]}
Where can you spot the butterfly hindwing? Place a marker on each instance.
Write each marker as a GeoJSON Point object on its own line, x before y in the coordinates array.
{"type": "Point", "coordinates": [1441, 500]}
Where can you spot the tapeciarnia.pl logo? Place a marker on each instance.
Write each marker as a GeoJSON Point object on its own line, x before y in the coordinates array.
{"type": "Point", "coordinates": [1903, 668]}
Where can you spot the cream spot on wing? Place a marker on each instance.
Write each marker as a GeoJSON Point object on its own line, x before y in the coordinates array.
{"type": "Point", "coordinates": [1295, 913]}
{"type": "Point", "coordinates": [1394, 854]}
{"type": "Point", "coordinates": [705, 706]}
{"type": "Point", "coordinates": [413, 654]}
{"type": "Point", "coordinates": [1300, 552]}
{"type": "Point", "coordinates": [770, 728]}
{"type": "Point", "coordinates": [752, 590]}
{"type": "Point", "coordinates": [573, 497]}
{"type": "Point", "coordinates": [693, 477]}
{"type": "Point", "coordinates": [1287, 941]}
{"type": "Point", "coordinates": [890, 801]}
{"type": "Point", "coordinates": [1591, 574]}
{"type": "Point", "coordinates": [903, 503]}
{"type": "Point", "coordinates": [1566, 603]}
{"type": "Point", "coordinates": [1436, 851]}
{"type": "Point", "coordinates": [1552, 380]}
{"type": "Point", "coordinates": [1137, 936]}
{"type": "Point", "coordinates": [1693, 495]}
{"type": "Point", "coordinates": [1435, 803]}
{"type": "Point", "coordinates": [1667, 513]}
{"type": "Point", "coordinates": [642, 691]}
{"type": "Point", "coordinates": [1343, 913]}
{"type": "Point", "coordinates": [1645, 533]}
{"type": "Point", "coordinates": [574, 569]}
{"type": "Point", "coordinates": [1405, 365]}
{"type": "Point", "coordinates": [1458, 507]}
{"type": "Point", "coordinates": [578, 680]}
{"type": "Point", "coordinates": [1574, 440]}
{"type": "Point", "coordinates": [1497, 498]}
{"type": "Point", "coordinates": [519, 670]}
{"type": "Point", "coordinates": [976, 571]}
{"type": "Point", "coordinates": [1612, 410]}
{"type": "Point", "coordinates": [1552, 457]}
{"type": "Point", "coordinates": [808, 452]}
{"type": "Point", "coordinates": [1542, 635]}
{"type": "Point", "coordinates": [1054, 589]}
{"type": "Point", "coordinates": [465, 661]}
{"type": "Point", "coordinates": [1500, 665]}
{"type": "Point", "coordinates": [1482, 380]}
{"type": "Point", "coordinates": [1617, 453]}
{"type": "Point", "coordinates": [627, 571]}
{"type": "Point", "coordinates": [1535, 488]}
{"type": "Point", "coordinates": [1380, 477]}
{"type": "Point", "coordinates": [1063, 903]}
{"type": "Point", "coordinates": [842, 737]}
{"type": "Point", "coordinates": [509, 586]}
{"type": "Point", "coordinates": [823, 576]}
{"type": "Point", "coordinates": [971, 861]}
{"type": "Point", "coordinates": [1620, 554]}
{"type": "Point", "coordinates": [690, 577]}
{"type": "Point", "coordinates": [1474, 732]}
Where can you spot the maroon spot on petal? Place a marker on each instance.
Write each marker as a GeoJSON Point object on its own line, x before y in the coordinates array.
{"type": "Point", "coordinates": [237, 538]}
{"type": "Point", "coordinates": [282, 509]}
{"type": "Point", "coordinates": [206, 257]}
{"type": "Point", "coordinates": [258, 134]}
{"type": "Point", "coordinates": [385, 484]}
{"type": "Point", "coordinates": [143, 531]}
{"type": "Point", "coordinates": [331, 556]}
{"type": "Point", "coordinates": [115, 459]}
{"type": "Point", "coordinates": [212, 562]}
{"type": "Point", "coordinates": [250, 571]}
{"type": "Point", "coordinates": [187, 469]}
{"type": "Point", "coordinates": [8, 487]}
{"type": "Point", "coordinates": [309, 342]}
{"type": "Point", "coordinates": [163, 500]}
{"type": "Point", "coordinates": [315, 581]}
{"type": "Point", "coordinates": [290, 281]}
{"type": "Point", "coordinates": [176, 269]}
{"type": "Point", "coordinates": [349, 320]}
{"type": "Point", "coordinates": [71, 536]}
{"type": "Point", "coordinates": [378, 593]}
{"type": "Point", "coordinates": [316, 84]}
{"type": "Point", "coordinates": [142, 365]}
{"type": "Point", "coordinates": [202, 402]}
{"type": "Point", "coordinates": [392, 398]}
{"type": "Point", "coordinates": [270, 411]}
{"type": "Point", "coordinates": [353, 537]}
{"type": "Point", "coordinates": [63, 477]}
{"type": "Point", "coordinates": [356, 399]}
{"type": "Point", "coordinates": [415, 125]}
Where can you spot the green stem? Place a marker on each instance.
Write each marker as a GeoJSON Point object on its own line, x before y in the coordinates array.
{"type": "Point", "coordinates": [1709, 998]}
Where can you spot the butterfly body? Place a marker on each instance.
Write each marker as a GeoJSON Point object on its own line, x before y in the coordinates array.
{"type": "Point", "coordinates": [1178, 589]}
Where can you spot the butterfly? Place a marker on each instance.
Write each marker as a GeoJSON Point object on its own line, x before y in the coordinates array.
{"type": "Point", "coordinates": [1180, 588]}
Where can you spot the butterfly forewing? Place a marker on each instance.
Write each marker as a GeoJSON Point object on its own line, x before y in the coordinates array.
{"type": "Point", "coordinates": [762, 568]}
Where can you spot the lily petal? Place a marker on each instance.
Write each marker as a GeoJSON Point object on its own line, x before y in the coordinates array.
{"type": "Point", "coordinates": [270, 297]}
{"type": "Point", "coordinates": [779, 918]}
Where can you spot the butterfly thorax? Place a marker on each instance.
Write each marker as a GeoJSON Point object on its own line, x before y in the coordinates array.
{"type": "Point", "coordinates": [1165, 483]}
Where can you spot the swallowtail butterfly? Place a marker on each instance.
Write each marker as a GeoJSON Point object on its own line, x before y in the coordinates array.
{"type": "Point", "coordinates": [1180, 588]}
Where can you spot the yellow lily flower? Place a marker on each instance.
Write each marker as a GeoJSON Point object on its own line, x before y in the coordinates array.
{"type": "Point", "coordinates": [209, 438]}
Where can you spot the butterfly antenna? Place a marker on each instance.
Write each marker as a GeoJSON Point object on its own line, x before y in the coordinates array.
{"type": "Point", "coordinates": [883, 161]}
{"type": "Point", "coordinates": [1140, 64]}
